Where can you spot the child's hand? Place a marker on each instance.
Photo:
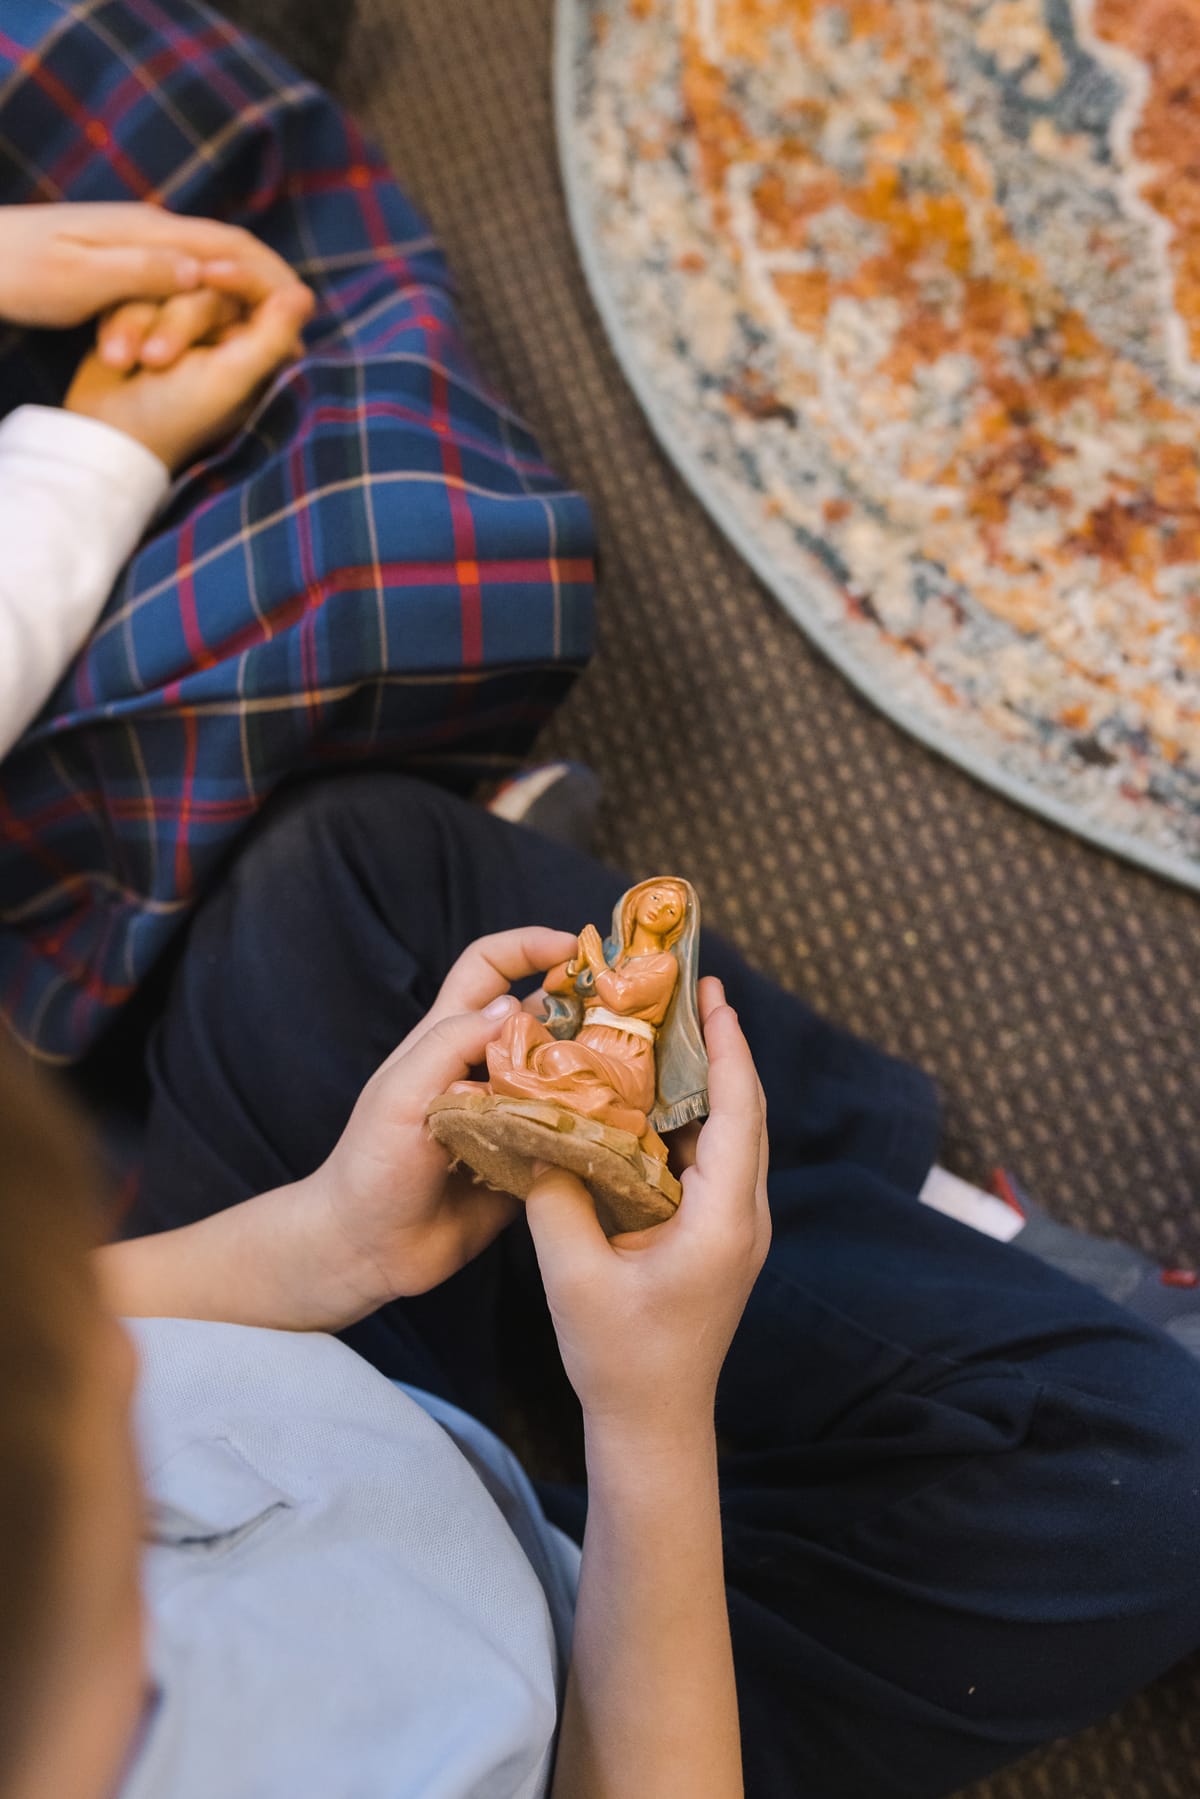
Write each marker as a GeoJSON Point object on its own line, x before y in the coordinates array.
{"type": "Point", "coordinates": [180, 411]}
{"type": "Point", "coordinates": [644, 1319]}
{"type": "Point", "coordinates": [392, 1218]}
{"type": "Point", "coordinates": [383, 1217]}
{"type": "Point", "coordinates": [64, 263]}
{"type": "Point", "coordinates": [156, 333]}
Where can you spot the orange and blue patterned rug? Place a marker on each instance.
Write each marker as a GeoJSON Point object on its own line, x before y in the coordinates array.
{"type": "Point", "coordinates": [911, 293]}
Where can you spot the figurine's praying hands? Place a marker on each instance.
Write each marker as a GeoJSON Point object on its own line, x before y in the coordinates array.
{"type": "Point", "coordinates": [591, 949]}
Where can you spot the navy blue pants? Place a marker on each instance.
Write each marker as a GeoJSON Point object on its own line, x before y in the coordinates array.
{"type": "Point", "coordinates": [961, 1492]}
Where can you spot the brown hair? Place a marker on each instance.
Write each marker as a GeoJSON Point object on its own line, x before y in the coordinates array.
{"type": "Point", "coordinates": [49, 1217]}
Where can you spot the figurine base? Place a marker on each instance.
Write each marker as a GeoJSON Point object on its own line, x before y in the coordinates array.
{"type": "Point", "coordinates": [500, 1139]}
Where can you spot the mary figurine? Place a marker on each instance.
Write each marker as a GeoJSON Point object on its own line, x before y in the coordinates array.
{"type": "Point", "coordinates": [619, 1059]}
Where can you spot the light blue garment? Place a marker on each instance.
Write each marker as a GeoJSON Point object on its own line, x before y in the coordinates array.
{"type": "Point", "coordinates": [352, 1589]}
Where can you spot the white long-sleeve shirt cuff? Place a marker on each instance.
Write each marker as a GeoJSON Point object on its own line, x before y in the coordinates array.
{"type": "Point", "coordinates": [76, 497]}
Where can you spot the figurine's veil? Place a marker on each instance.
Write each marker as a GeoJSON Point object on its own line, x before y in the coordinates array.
{"type": "Point", "coordinates": [680, 1057]}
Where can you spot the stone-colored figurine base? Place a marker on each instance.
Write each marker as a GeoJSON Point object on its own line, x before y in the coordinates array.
{"type": "Point", "coordinates": [500, 1139]}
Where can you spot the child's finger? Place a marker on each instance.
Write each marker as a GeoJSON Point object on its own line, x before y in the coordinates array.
{"type": "Point", "coordinates": [710, 993]}
{"type": "Point", "coordinates": [479, 1215]}
{"type": "Point", "coordinates": [488, 967]}
{"type": "Point", "coordinates": [148, 223]}
{"type": "Point", "coordinates": [121, 335]}
{"type": "Point", "coordinates": [446, 1052]}
{"type": "Point", "coordinates": [565, 1229]}
{"type": "Point", "coordinates": [253, 352]}
{"type": "Point", "coordinates": [184, 320]}
{"type": "Point", "coordinates": [711, 996]}
{"type": "Point", "coordinates": [730, 1147]}
{"type": "Point", "coordinates": [208, 241]}
{"type": "Point", "coordinates": [117, 272]}
{"type": "Point", "coordinates": [248, 279]}
{"type": "Point", "coordinates": [683, 1146]}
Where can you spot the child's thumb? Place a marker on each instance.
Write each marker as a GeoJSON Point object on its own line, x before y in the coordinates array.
{"type": "Point", "coordinates": [450, 1048]}
{"type": "Point", "coordinates": [254, 351]}
{"type": "Point", "coordinates": [563, 1224]}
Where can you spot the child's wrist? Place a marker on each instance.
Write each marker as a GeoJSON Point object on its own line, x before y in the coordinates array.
{"type": "Point", "coordinates": [331, 1274]}
{"type": "Point", "coordinates": [102, 414]}
{"type": "Point", "coordinates": [640, 1450]}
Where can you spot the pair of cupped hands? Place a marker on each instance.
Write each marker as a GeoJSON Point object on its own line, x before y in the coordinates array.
{"type": "Point", "coordinates": [195, 316]}
{"type": "Point", "coordinates": [643, 1319]}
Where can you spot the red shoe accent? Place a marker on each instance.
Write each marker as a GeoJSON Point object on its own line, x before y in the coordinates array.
{"type": "Point", "coordinates": [1179, 1277]}
{"type": "Point", "coordinates": [1003, 1188]}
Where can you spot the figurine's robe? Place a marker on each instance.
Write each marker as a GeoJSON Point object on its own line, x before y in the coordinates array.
{"type": "Point", "coordinates": [604, 1072]}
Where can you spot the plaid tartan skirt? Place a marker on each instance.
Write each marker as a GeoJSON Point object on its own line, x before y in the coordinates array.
{"type": "Point", "coordinates": [380, 566]}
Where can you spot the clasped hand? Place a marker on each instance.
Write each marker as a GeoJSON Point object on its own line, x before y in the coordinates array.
{"type": "Point", "coordinates": [392, 1219]}
{"type": "Point", "coordinates": [196, 315]}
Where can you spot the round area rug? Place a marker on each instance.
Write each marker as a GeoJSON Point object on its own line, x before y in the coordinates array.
{"type": "Point", "coordinates": [911, 293]}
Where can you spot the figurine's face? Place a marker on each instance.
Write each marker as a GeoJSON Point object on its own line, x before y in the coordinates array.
{"type": "Point", "coordinates": [661, 907]}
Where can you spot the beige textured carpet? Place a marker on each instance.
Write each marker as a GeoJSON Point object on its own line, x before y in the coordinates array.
{"type": "Point", "coordinates": [1053, 992]}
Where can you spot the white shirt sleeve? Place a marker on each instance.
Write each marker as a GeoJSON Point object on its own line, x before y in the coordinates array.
{"type": "Point", "coordinates": [76, 497]}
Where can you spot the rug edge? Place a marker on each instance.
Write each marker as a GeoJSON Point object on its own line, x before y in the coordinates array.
{"type": "Point", "coordinates": [1180, 869]}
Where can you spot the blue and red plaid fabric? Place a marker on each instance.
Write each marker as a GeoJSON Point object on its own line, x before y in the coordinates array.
{"type": "Point", "coordinates": [379, 566]}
